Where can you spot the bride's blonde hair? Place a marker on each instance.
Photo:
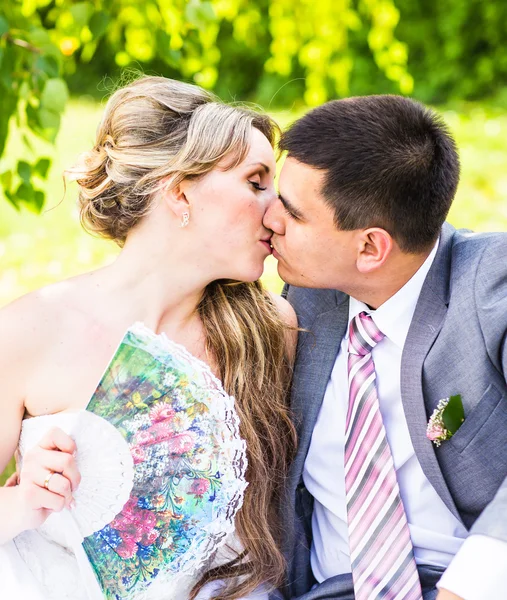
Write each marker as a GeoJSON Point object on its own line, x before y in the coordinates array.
{"type": "Point", "coordinates": [155, 130]}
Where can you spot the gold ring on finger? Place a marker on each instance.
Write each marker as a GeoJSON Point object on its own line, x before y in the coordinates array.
{"type": "Point", "coordinates": [48, 478]}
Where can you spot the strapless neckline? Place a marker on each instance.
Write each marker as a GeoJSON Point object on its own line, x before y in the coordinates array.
{"type": "Point", "coordinates": [140, 328]}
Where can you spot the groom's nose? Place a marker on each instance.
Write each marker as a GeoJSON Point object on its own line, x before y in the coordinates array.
{"type": "Point", "coordinates": [274, 218]}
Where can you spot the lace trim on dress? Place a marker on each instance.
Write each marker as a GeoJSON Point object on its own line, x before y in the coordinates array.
{"type": "Point", "coordinates": [214, 536]}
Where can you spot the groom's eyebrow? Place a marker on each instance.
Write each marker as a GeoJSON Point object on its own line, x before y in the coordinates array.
{"type": "Point", "coordinates": [289, 207]}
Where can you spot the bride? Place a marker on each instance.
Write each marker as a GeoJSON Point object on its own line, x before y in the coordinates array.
{"type": "Point", "coordinates": [181, 182]}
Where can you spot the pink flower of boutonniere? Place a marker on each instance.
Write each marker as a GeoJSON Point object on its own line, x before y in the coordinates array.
{"type": "Point", "coordinates": [445, 420]}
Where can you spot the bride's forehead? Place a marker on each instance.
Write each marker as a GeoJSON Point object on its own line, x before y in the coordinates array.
{"type": "Point", "coordinates": [260, 152]}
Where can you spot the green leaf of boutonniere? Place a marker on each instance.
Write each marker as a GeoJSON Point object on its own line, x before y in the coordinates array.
{"type": "Point", "coordinates": [453, 414]}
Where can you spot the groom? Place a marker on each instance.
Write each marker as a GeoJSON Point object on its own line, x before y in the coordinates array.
{"type": "Point", "coordinates": [399, 312]}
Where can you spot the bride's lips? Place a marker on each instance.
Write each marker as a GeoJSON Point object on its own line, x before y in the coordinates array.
{"type": "Point", "coordinates": [267, 244]}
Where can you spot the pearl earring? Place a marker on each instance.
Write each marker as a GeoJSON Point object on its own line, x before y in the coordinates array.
{"type": "Point", "coordinates": [185, 220]}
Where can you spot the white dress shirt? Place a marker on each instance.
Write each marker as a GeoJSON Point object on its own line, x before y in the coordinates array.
{"type": "Point", "coordinates": [436, 533]}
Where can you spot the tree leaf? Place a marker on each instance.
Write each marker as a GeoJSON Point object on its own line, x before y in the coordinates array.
{"type": "Point", "coordinates": [25, 193]}
{"type": "Point", "coordinates": [81, 12]}
{"type": "Point", "coordinates": [99, 23]}
{"type": "Point", "coordinates": [453, 414]}
{"type": "Point", "coordinates": [42, 167]}
{"type": "Point", "coordinates": [50, 123]}
{"type": "Point", "coordinates": [12, 199]}
{"type": "Point", "coordinates": [4, 26]}
{"type": "Point", "coordinates": [6, 180]}
{"type": "Point", "coordinates": [49, 65]}
{"type": "Point", "coordinates": [54, 95]}
{"type": "Point", "coordinates": [9, 103]}
{"type": "Point", "coordinates": [38, 202]}
{"type": "Point", "coordinates": [32, 117]}
{"type": "Point", "coordinates": [24, 171]}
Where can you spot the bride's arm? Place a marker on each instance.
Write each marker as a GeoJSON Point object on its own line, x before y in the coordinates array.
{"type": "Point", "coordinates": [28, 504]}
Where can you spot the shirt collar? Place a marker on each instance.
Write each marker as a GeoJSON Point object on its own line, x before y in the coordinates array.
{"type": "Point", "coordinates": [393, 317]}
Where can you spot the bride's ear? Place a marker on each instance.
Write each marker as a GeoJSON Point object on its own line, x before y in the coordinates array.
{"type": "Point", "coordinates": [175, 198]}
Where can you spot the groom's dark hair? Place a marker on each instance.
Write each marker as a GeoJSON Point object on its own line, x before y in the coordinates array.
{"type": "Point", "coordinates": [389, 162]}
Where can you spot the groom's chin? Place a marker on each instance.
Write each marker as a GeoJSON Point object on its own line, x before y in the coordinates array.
{"type": "Point", "coordinates": [288, 276]}
{"type": "Point", "coordinates": [299, 279]}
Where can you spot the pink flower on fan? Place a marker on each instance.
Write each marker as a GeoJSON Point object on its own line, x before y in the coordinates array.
{"type": "Point", "coordinates": [149, 538]}
{"type": "Point", "coordinates": [131, 535]}
{"type": "Point", "coordinates": [135, 526]}
{"type": "Point", "coordinates": [161, 412]}
{"type": "Point", "coordinates": [137, 454]}
{"type": "Point", "coordinates": [181, 443]}
{"type": "Point", "coordinates": [128, 512]}
{"type": "Point", "coordinates": [146, 520]}
{"type": "Point", "coordinates": [199, 487]}
{"type": "Point", "coordinates": [127, 550]}
{"type": "Point", "coordinates": [158, 432]}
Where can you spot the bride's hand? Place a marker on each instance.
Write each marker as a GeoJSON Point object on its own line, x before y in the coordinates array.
{"type": "Point", "coordinates": [12, 481]}
{"type": "Point", "coordinates": [48, 478]}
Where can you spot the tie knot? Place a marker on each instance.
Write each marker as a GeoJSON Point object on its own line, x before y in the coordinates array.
{"type": "Point", "coordinates": [364, 335]}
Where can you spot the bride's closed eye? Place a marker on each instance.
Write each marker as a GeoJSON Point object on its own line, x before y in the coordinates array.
{"type": "Point", "coordinates": [257, 185]}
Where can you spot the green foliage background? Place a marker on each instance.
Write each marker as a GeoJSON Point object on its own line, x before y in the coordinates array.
{"type": "Point", "coordinates": [59, 59]}
{"type": "Point", "coordinates": [279, 53]}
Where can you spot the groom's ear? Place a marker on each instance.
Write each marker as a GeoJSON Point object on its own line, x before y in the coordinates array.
{"type": "Point", "coordinates": [375, 246]}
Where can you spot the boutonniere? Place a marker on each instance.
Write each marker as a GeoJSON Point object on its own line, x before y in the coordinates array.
{"type": "Point", "coordinates": [445, 420]}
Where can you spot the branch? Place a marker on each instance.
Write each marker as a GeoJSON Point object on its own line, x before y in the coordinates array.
{"type": "Point", "coordinates": [22, 44]}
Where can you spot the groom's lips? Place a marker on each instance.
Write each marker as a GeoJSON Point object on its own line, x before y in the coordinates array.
{"type": "Point", "coordinates": [276, 254]}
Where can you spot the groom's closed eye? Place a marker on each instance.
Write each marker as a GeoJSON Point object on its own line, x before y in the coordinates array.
{"type": "Point", "coordinates": [291, 211]}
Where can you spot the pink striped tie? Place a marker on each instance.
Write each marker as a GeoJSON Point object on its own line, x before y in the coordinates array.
{"type": "Point", "coordinates": [381, 551]}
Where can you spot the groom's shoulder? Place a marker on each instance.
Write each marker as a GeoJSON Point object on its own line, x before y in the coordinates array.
{"type": "Point", "coordinates": [477, 274]}
{"type": "Point", "coordinates": [479, 253]}
{"type": "Point", "coordinates": [467, 238]}
{"type": "Point", "coordinates": [310, 302]}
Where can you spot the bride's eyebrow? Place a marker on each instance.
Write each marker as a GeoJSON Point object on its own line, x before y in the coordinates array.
{"type": "Point", "coordinates": [260, 164]}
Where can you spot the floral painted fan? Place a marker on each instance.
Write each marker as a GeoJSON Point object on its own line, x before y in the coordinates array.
{"type": "Point", "coordinates": [178, 472]}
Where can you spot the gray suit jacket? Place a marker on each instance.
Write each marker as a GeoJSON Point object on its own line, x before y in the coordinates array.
{"type": "Point", "coordinates": [456, 344]}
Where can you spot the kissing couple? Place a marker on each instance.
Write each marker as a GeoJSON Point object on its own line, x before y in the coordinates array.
{"type": "Point", "coordinates": [182, 434]}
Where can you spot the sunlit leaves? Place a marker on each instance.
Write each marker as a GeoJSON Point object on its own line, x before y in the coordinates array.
{"type": "Point", "coordinates": [278, 40]}
{"type": "Point", "coordinates": [390, 54]}
{"type": "Point", "coordinates": [21, 186]}
{"type": "Point", "coordinates": [33, 92]}
{"type": "Point", "coordinates": [199, 14]}
{"type": "Point", "coordinates": [316, 34]}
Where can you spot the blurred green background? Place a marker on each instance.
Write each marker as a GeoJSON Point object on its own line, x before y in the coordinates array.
{"type": "Point", "coordinates": [59, 60]}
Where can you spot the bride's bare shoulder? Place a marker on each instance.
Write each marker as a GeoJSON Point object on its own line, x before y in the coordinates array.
{"type": "Point", "coordinates": [30, 319]}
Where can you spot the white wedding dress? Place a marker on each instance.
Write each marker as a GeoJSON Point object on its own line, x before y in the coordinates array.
{"type": "Point", "coordinates": [50, 563]}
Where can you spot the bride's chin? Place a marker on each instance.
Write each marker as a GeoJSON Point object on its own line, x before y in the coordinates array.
{"type": "Point", "coordinates": [253, 274]}
{"type": "Point", "coordinates": [247, 271]}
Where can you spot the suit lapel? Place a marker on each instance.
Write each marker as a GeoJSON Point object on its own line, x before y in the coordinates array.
{"type": "Point", "coordinates": [426, 324]}
{"type": "Point", "coordinates": [315, 360]}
